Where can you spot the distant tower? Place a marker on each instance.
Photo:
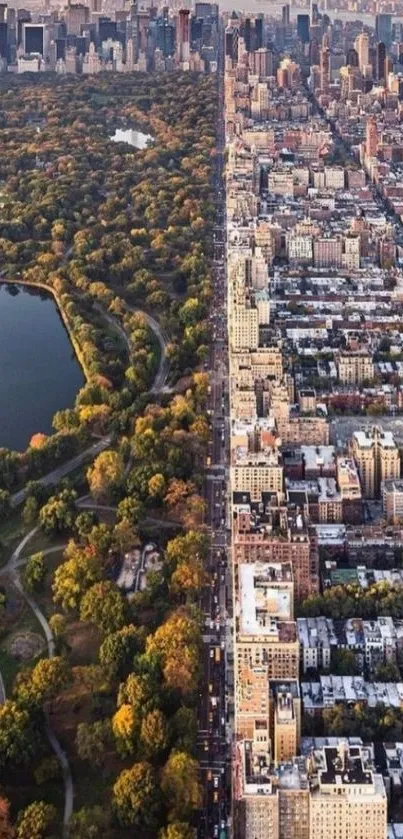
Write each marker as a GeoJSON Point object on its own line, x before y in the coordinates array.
{"type": "Point", "coordinates": [325, 69]}
{"type": "Point", "coordinates": [183, 35]}
{"type": "Point", "coordinates": [380, 59]}
{"type": "Point", "coordinates": [362, 46]}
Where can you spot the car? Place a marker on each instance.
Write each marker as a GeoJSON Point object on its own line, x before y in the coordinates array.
{"type": "Point", "coordinates": [216, 781]}
{"type": "Point", "coordinates": [215, 832]}
{"type": "Point", "coordinates": [211, 653]}
{"type": "Point", "coordinates": [215, 797]}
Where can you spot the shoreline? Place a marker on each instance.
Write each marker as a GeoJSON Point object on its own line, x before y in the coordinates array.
{"type": "Point", "coordinates": [61, 312]}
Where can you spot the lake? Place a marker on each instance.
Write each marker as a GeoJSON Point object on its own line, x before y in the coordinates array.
{"type": "Point", "coordinates": [132, 137]}
{"type": "Point", "coordinates": [39, 372]}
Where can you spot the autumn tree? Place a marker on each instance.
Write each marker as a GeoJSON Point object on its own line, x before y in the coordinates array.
{"type": "Point", "coordinates": [177, 830]}
{"type": "Point", "coordinates": [125, 729]}
{"type": "Point", "coordinates": [177, 643]}
{"type": "Point", "coordinates": [43, 682]}
{"type": "Point", "coordinates": [180, 784]}
{"type": "Point", "coordinates": [135, 797]}
{"type": "Point", "coordinates": [106, 474]}
{"type": "Point", "coordinates": [36, 821]}
{"type": "Point", "coordinates": [139, 691]}
{"type": "Point", "coordinates": [82, 568]}
{"type": "Point", "coordinates": [6, 829]}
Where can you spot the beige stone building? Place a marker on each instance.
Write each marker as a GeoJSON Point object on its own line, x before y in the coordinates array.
{"type": "Point", "coordinates": [354, 367]}
{"type": "Point", "coordinates": [377, 457]}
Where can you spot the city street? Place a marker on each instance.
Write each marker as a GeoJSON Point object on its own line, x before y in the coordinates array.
{"type": "Point", "coordinates": [214, 708]}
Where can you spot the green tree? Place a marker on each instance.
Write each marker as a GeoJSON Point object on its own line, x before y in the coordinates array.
{"type": "Point", "coordinates": [18, 739]}
{"type": "Point", "coordinates": [58, 514]}
{"type": "Point", "coordinates": [36, 821]}
{"type": "Point", "coordinates": [388, 671]}
{"type": "Point", "coordinates": [125, 729]}
{"type": "Point", "coordinates": [344, 663]}
{"type": "Point", "coordinates": [5, 504]}
{"type": "Point", "coordinates": [181, 785]}
{"type": "Point", "coordinates": [30, 511]}
{"type": "Point", "coordinates": [90, 823]}
{"type": "Point", "coordinates": [118, 649]}
{"type": "Point", "coordinates": [48, 769]}
{"type": "Point", "coordinates": [184, 729]}
{"type": "Point", "coordinates": [35, 572]}
{"type": "Point", "coordinates": [135, 797]}
{"type": "Point", "coordinates": [105, 606]}
{"type": "Point", "coordinates": [93, 740]}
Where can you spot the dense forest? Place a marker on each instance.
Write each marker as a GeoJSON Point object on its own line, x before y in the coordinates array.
{"type": "Point", "coordinates": [113, 230]}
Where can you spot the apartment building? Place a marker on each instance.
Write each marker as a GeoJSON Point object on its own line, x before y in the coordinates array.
{"type": "Point", "coordinates": [328, 252]}
{"type": "Point", "coordinates": [354, 367]}
{"type": "Point", "coordinates": [333, 791]}
{"type": "Point", "coordinates": [392, 498]}
{"type": "Point", "coordinates": [349, 800]}
{"type": "Point", "coordinates": [257, 472]}
{"type": "Point", "coordinates": [262, 532]}
{"type": "Point", "coordinates": [377, 457]}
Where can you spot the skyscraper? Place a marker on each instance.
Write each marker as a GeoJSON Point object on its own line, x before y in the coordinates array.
{"type": "Point", "coordinates": [380, 58]}
{"type": "Point", "coordinates": [383, 29]}
{"type": "Point", "coordinates": [183, 35]}
{"type": "Point", "coordinates": [361, 44]}
{"type": "Point", "coordinates": [303, 28]}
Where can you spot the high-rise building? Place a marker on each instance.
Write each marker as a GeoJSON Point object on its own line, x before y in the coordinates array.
{"type": "Point", "coordinates": [77, 16]}
{"type": "Point", "coordinates": [352, 57]}
{"type": "Point", "coordinates": [361, 45]}
{"type": "Point", "coordinates": [285, 720]}
{"type": "Point", "coordinates": [324, 69]}
{"type": "Point", "coordinates": [380, 57]}
{"type": "Point", "coordinates": [383, 29]}
{"type": "Point", "coordinates": [377, 457]}
{"type": "Point", "coordinates": [285, 15]}
{"type": "Point", "coordinates": [35, 38]}
{"type": "Point", "coordinates": [303, 28]}
{"type": "Point", "coordinates": [183, 40]}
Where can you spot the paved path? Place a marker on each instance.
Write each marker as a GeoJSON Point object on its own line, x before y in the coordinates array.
{"type": "Point", "coordinates": [11, 568]}
{"type": "Point", "coordinates": [56, 474]}
{"type": "Point", "coordinates": [159, 386]}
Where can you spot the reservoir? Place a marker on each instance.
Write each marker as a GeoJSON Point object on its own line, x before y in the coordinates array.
{"type": "Point", "coordinates": [39, 372]}
{"type": "Point", "coordinates": [134, 138]}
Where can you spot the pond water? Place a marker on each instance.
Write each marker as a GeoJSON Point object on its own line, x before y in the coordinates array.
{"type": "Point", "coordinates": [134, 138]}
{"type": "Point", "coordinates": [39, 372]}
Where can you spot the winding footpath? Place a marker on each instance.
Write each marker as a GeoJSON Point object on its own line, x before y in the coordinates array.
{"type": "Point", "coordinates": [17, 560]}
{"type": "Point", "coordinates": [11, 569]}
{"type": "Point", "coordinates": [159, 386]}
